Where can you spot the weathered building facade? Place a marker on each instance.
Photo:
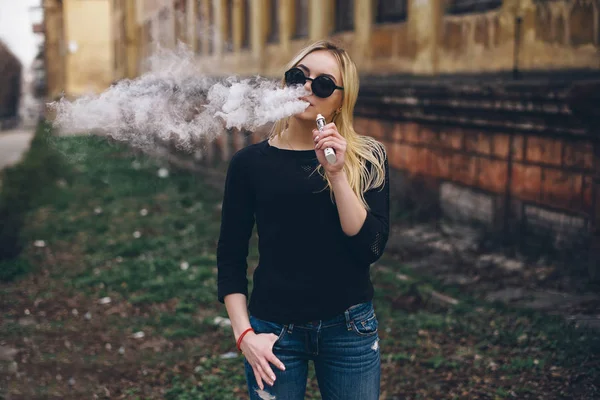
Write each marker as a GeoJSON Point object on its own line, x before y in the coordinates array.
{"type": "Point", "coordinates": [472, 98]}
{"type": "Point", "coordinates": [78, 49]}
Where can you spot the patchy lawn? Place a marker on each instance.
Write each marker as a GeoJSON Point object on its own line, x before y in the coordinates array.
{"type": "Point", "coordinates": [120, 302]}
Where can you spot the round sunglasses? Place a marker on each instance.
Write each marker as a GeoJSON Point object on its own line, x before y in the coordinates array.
{"type": "Point", "coordinates": [322, 86]}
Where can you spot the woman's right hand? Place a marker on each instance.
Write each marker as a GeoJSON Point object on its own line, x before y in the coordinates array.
{"type": "Point", "coordinates": [258, 350]}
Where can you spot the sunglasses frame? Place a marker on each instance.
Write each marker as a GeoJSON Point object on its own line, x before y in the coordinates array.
{"type": "Point", "coordinates": [312, 81]}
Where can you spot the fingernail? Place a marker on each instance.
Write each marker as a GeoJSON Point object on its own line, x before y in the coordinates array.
{"type": "Point", "coordinates": [317, 138]}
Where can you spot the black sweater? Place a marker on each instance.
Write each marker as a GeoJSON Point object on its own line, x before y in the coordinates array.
{"type": "Point", "coordinates": [309, 269]}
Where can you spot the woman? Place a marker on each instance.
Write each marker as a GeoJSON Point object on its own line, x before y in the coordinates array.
{"type": "Point", "coordinates": [320, 226]}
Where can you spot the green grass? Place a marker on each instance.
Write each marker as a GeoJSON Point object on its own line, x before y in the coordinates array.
{"type": "Point", "coordinates": [168, 270]}
{"type": "Point", "coordinates": [25, 186]}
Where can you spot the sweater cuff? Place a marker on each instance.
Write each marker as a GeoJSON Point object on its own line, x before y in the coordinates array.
{"type": "Point", "coordinates": [225, 289]}
{"type": "Point", "coordinates": [367, 232]}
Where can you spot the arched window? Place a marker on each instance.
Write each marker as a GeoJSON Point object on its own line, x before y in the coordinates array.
{"type": "Point", "coordinates": [181, 20]}
{"type": "Point", "coordinates": [391, 11]}
{"type": "Point", "coordinates": [229, 21]}
{"type": "Point", "coordinates": [301, 19]}
{"type": "Point", "coordinates": [273, 36]}
{"type": "Point", "coordinates": [247, 18]}
{"type": "Point", "coordinates": [205, 31]}
{"type": "Point", "coordinates": [344, 15]}
{"type": "Point", "coordinates": [471, 6]}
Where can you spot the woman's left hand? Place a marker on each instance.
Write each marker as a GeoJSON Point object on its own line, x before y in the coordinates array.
{"type": "Point", "coordinates": [330, 137]}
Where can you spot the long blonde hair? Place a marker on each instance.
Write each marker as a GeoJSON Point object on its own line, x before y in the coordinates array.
{"type": "Point", "coordinates": [360, 150]}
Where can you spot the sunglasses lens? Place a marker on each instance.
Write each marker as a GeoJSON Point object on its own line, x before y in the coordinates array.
{"type": "Point", "coordinates": [323, 86]}
{"type": "Point", "coordinates": [295, 76]}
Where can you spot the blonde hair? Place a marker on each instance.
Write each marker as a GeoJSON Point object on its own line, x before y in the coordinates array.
{"type": "Point", "coordinates": [360, 150]}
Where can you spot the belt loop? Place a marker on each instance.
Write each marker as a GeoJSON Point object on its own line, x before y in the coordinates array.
{"type": "Point", "coordinates": [290, 328]}
{"type": "Point", "coordinates": [348, 321]}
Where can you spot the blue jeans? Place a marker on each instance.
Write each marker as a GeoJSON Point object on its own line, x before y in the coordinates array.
{"type": "Point", "coordinates": [344, 349]}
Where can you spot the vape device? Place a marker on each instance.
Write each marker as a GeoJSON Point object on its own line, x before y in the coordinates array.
{"type": "Point", "coordinates": [329, 153]}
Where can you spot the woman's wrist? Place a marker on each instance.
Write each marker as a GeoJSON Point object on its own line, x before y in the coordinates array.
{"type": "Point", "coordinates": [237, 334]}
{"type": "Point", "coordinates": [241, 338]}
{"type": "Point", "coordinates": [337, 177]}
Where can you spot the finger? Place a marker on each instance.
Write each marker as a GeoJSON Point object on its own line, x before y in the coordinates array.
{"type": "Point", "coordinates": [275, 361]}
{"type": "Point", "coordinates": [262, 373]}
{"type": "Point", "coordinates": [317, 135]}
{"type": "Point", "coordinates": [329, 136]}
{"type": "Point", "coordinates": [267, 372]}
{"type": "Point", "coordinates": [257, 376]}
{"type": "Point", "coordinates": [333, 143]}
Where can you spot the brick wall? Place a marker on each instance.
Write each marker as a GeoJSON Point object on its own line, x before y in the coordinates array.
{"type": "Point", "coordinates": [548, 171]}
{"type": "Point", "coordinates": [515, 170]}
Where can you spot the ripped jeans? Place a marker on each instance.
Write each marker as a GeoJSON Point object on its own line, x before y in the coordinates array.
{"type": "Point", "coordinates": [344, 349]}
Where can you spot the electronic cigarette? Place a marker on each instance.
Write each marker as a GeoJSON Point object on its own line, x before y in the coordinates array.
{"type": "Point", "coordinates": [329, 153]}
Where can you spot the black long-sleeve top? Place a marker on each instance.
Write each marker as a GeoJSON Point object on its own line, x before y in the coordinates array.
{"type": "Point", "coordinates": [309, 269]}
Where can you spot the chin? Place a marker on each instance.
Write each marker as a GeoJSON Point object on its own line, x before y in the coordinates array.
{"type": "Point", "coordinates": [309, 114]}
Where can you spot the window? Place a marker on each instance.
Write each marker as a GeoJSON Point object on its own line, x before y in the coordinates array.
{"type": "Point", "coordinates": [391, 11]}
{"type": "Point", "coordinates": [165, 32]}
{"type": "Point", "coordinates": [344, 15]}
{"type": "Point", "coordinates": [247, 17]}
{"type": "Point", "coordinates": [273, 36]}
{"type": "Point", "coordinates": [301, 19]}
{"type": "Point", "coordinates": [471, 6]}
{"type": "Point", "coordinates": [181, 20]}
{"type": "Point", "coordinates": [123, 40]}
{"type": "Point", "coordinates": [229, 21]}
{"type": "Point", "coordinates": [205, 29]}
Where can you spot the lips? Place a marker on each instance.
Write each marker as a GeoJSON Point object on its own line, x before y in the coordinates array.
{"type": "Point", "coordinates": [304, 99]}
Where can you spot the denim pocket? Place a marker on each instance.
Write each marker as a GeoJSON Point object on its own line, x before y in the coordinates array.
{"type": "Point", "coordinates": [364, 320]}
{"type": "Point", "coordinates": [262, 326]}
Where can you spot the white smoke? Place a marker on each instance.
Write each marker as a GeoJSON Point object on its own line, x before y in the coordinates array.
{"type": "Point", "coordinates": [176, 101]}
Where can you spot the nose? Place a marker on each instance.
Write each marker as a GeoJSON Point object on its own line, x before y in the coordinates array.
{"type": "Point", "coordinates": [308, 85]}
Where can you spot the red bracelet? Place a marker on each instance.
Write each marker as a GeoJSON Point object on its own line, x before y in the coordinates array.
{"type": "Point", "coordinates": [239, 341]}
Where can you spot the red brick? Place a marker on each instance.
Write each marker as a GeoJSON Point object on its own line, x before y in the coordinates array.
{"type": "Point", "coordinates": [526, 182]}
{"type": "Point", "coordinates": [579, 154]}
{"type": "Point", "coordinates": [492, 175]}
{"type": "Point", "coordinates": [415, 160]}
{"type": "Point", "coordinates": [518, 148]}
{"type": "Point", "coordinates": [452, 138]}
{"type": "Point", "coordinates": [398, 133]}
{"type": "Point", "coordinates": [377, 129]}
{"type": "Point", "coordinates": [402, 155]}
{"type": "Point", "coordinates": [428, 136]}
{"type": "Point", "coordinates": [557, 188]}
{"type": "Point", "coordinates": [477, 142]}
{"type": "Point", "coordinates": [587, 194]}
{"type": "Point", "coordinates": [464, 169]}
{"type": "Point", "coordinates": [501, 144]}
{"type": "Point", "coordinates": [440, 164]}
{"type": "Point", "coordinates": [428, 159]}
{"type": "Point", "coordinates": [543, 150]}
{"type": "Point", "coordinates": [398, 156]}
{"type": "Point", "coordinates": [411, 132]}
{"type": "Point", "coordinates": [361, 125]}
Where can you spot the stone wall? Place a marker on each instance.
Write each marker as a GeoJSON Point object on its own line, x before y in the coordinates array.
{"type": "Point", "coordinates": [512, 154]}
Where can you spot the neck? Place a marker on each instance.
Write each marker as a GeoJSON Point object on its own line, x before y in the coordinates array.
{"type": "Point", "coordinates": [299, 134]}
